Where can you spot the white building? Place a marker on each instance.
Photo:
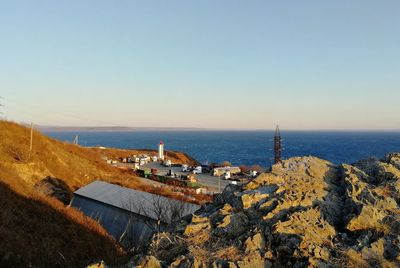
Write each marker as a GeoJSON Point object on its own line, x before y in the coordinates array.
{"type": "Point", "coordinates": [222, 170]}
{"type": "Point", "coordinates": [161, 150]}
{"type": "Point", "coordinates": [197, 170]}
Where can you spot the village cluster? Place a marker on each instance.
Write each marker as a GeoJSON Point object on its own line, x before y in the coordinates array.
{"type": "Point", "coordinates": [132, 216]}
{"type": "Point", "coordinates": [201, 176]}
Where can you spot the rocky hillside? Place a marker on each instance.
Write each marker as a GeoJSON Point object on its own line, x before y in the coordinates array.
{"type": "Point", "coordinates": [305, 212]}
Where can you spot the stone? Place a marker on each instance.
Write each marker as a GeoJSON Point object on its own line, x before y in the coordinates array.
{"type": "Point", "coordinates": [310, 224]}
{"type": "Point", "coordinates": [378, 171]}
{"type": "Point", "coordinates": [321, 253]}
{"type": "Point", "coordinates": [233, 225]}
{"type": "Point", "coordinates": [149, 262]}
{"type": "Point", "coordinates": [251, 198]}
{"type": "Point", "coordinates": [252, 260]}
{"type": "Point", "coordinates": [101, 264]}
{"type": "Point", "coordinates": [56, 188]}
{"type": "Point", "coordinates": [230, 195]}
{"type": "Point", "coordinates": [198, 224]}
{"type": "Point", "coordinates": [365, 207]}
{"type": "Point", "coordinates": [219, 264]}
{"type": "Point", "coordinates": [268, 206]}
{"type": "Point", "coordinates": [304, 212]}
{"type": "Point", "coordinates": [254, 243]}
{"type": "Point", "coordinates": [180, 262]}
{"type": "Point", "coordinates": [394, 159]}
{"type": "Point", "coordinates": [197, 263]}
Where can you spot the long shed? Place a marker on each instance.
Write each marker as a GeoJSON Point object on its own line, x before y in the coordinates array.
{"type": "Point", "coordinates": [130, 216]}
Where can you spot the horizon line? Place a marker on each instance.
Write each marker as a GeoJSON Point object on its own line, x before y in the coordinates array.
{"type": "Point", "coordinates": [138, 128]}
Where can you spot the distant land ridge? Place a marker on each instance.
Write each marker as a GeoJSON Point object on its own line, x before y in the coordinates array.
{"type": "Point", "coordinates": [112, 128]}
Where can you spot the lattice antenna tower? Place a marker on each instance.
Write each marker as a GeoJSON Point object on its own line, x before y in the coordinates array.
{"type": "Point", "coordinates": [277, 146]}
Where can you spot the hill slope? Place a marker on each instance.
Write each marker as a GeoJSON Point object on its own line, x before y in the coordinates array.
{"type": "Point", "coordinates": [76, 166]}
{"type": "Point", "coordinates": [37, 230]}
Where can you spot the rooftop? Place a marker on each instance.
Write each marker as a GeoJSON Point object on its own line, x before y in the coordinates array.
{"type": "Point", "coordinates": [146, 204]}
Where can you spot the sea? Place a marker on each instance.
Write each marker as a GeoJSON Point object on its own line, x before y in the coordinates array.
{"type": "Point", "coordinates": [248, 147]}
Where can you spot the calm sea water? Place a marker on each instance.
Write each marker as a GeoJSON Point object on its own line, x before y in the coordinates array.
{"type": "Point", "coordinates": [248, 147]}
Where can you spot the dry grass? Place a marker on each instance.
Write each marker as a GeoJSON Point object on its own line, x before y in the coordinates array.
{"type": "Point", "coordinates": [39, 231]}
{"type": "Point", "coordinates": [77, 166]}
{"type": "Point", "coordinates": [230, 253]}
{"type": "Point", "coordinates": [354, 259]}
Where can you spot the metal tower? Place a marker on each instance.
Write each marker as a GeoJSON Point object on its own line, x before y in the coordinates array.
{"type": "Point", "coordinates": [277, 146]}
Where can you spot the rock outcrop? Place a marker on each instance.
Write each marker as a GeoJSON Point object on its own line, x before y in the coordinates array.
{"type": "Point", "coordinates": [56, 188]}
{"type": "Point", "coordinates": [304, 212]}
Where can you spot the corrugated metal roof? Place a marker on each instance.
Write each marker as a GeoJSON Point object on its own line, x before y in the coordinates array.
{"type": "Point", "coordinates": [150, 205]}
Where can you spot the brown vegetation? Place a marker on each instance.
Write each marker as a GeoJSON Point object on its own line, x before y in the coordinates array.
{"type": "Point", "coordinates": [76, 166]}
{"type": "Point", "coordinates": [39, 231]}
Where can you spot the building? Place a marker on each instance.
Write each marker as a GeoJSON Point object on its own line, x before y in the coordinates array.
{"type": "Point", "coordinates": [142, 159]}
{"type": "Point", "coordinates": [130, 216]}
{"type": "Point", "coordinates": [161, 150]}
{"type": "Point", "coordinates": [219, 171]}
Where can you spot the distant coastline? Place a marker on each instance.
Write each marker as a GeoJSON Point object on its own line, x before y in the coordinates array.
{"type": "Point", "coordinates": [113, 129]}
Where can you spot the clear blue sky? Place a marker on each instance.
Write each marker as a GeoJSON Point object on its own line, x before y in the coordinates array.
{"type": "Point", "coordinates": [225, 64]}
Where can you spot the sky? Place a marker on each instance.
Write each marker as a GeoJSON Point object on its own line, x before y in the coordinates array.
{"type": "Point", "coordinates": [214, 64]}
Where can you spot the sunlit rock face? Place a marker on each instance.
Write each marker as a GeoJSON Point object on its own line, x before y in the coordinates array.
{"type": "Point", "coordinates": [304, 212]}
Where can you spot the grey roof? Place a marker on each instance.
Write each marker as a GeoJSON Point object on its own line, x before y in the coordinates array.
{"type": "Point", "coordinates": [149, 205]}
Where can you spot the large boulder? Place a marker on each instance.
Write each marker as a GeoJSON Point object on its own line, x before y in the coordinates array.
{"type": "Point", "coordinates": [251, 198]}
{"type": "Point", "coordinates": [231, 195]}
{"type": "Point", "coordinates": [149, 262]}
{"type": "Point", "coordinates": [255, 243]}
{"type": "Point", "coordinates": [378, 171]}
{"type": "Point", "coordinates": [254, 259]}
{"type": "Point", "coordinates": [56, 188]}
{"type": "Point", "coordinates": [310, 225]}
{"type": "Point", "coordinates": [366, 207]}
{"type": "Point", "coordinates": [199, 229]}
{"type": "Point", "coordinates": [394, 159]}
{"type": "Point", "coordinates": [232, 225]}
{"type": "Point", "coordinates": [302, 182]}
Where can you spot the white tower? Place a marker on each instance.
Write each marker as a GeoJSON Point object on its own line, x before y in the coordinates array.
{"type": "Point", "coordinates": [161, 150]}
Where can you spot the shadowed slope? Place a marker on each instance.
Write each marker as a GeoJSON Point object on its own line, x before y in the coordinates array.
{"type": "Point", "coordinates": [41, 232]}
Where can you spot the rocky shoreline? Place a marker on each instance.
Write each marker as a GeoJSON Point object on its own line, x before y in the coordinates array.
{"type": "Point", "coordinates": [304, 212]}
